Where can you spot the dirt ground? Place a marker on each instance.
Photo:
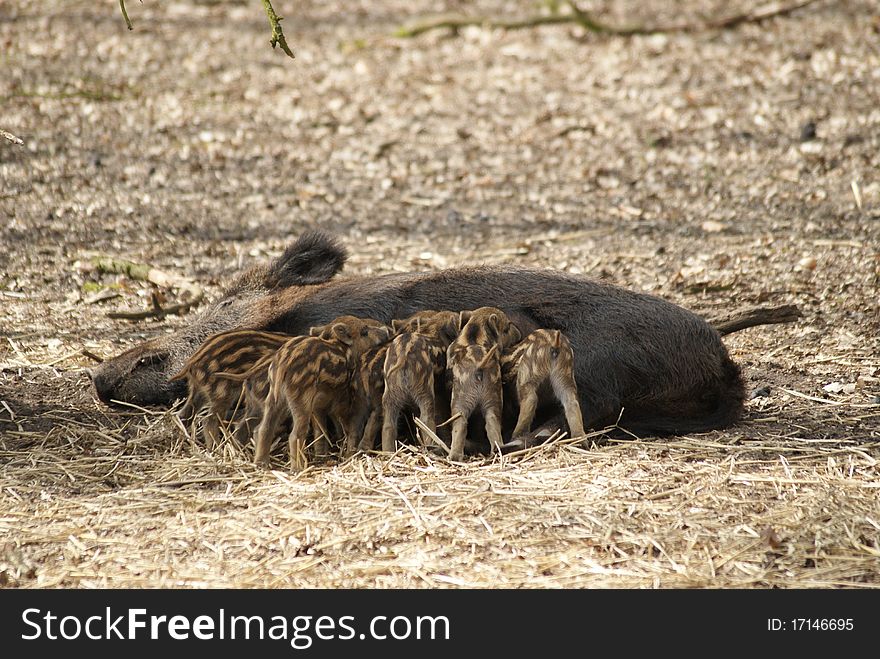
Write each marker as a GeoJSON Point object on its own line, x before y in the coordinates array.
{"type": "Point", "coordinates": [718, 169]}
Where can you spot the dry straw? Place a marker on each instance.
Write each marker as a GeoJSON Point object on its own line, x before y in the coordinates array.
{"type": "Point", "coordinates": [128, 500]}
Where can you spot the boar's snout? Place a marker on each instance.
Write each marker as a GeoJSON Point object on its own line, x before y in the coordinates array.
{"type": "Point", "coordinates": [138, 376]}
{"type": "Point", "coordinates": [106, 384]}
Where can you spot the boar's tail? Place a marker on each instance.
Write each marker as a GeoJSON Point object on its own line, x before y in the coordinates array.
{"type": "Point", "coordinates": [717, 405]}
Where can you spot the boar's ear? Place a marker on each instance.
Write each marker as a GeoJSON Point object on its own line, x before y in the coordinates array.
{"type": "Point", "coordinates": [342, 333]}
{"type": "Point", "coordinates": [312, 259]}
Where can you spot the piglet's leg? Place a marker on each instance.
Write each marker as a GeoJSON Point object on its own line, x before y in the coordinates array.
{"type": "Point", "coordinates": [492, 414]}
{"type": "Point", "coordinates": [352, 424]}
{"type": "Point", "coordinates": [296, 443]}
{"type": "Point", "coordinates": [373, 423]}
{"type": "Point", "coordinates": [322, 435]}
{"type": "Point", "coordinates": [194, 402]}
{"type": "Point", "coordinates": [528, 403]}
{"type": "Point", "coordinates": [390, 412]}
{"type": "Point", "coordinates": [246, 423]}
{"type": "Point", "coordinates": [188, 411]}
{"type": "Point", "coordinates": [252, 414]}
{"type": "Point", "coordinates": [273, 411]}
{"type": "Point", "coordinates": [459, 429]}
{"type": "Point", "coordinates": [566, 391]}
{"type": "Point", "coordinates": [426, 410]}
{"type": "Point", "coordinates": [211, 427]}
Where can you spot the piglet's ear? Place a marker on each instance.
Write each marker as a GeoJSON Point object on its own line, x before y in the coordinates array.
{"type": "Point", "coordinates": [316, 331]}
{"type": "Point", "coordinates": [515, 335]}
{"type": "Point", "coordinates": [463, 317]}
{"type": "Point", "coordinates": [342, 333]}
{"type": "Point", "coordinates": [397, 325]}
{"type": "Point", "coordinates": [493, 329]}
{"type": "Point", "coordinates": [450, 330]}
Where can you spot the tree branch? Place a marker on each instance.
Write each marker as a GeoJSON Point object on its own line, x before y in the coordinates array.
{"type": "Point", "coordinates": [274, 22]}
{"type": "Point", "coordinates": [125, 15]}
{"type": "Point", "coordinates": [759, 14]}
{"type": "Point", "coordinates": [277, 34]}
{"type": "Point", "coordinates": [585, 20]}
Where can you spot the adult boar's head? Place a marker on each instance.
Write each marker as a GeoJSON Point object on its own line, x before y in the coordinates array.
{"type": "Point", "coordinates": [140, 375]}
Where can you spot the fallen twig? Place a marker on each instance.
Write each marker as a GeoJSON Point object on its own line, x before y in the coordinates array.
{"type": "Point", "coordinates": [145, 272]}
{"type": "Point", "coordinates": [157, 311]}
{"type": "Point", "coordinates": [12, 138]}
{"type": "Point", "coordinates": [586, 21]}
{"type": "Point", "coordinates": [762, 13]}
{"type": "Point", "coordinates": [432, 435]}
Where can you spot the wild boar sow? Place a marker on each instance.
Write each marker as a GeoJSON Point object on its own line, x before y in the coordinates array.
{"type": "Point", "coordinates": [666, 367]}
